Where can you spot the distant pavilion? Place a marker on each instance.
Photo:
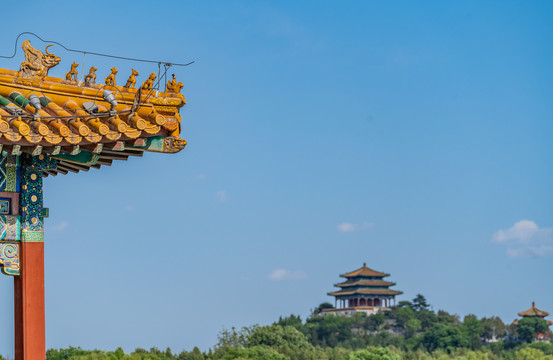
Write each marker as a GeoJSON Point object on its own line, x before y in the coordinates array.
{"type": "Point", "coordinates": [535, 312]}
{"type": "Point", "coordinates": [364, 290]}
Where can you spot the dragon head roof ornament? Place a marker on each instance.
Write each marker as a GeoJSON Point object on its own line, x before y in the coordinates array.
{"type": "Point", "coordinates": [37, 64]}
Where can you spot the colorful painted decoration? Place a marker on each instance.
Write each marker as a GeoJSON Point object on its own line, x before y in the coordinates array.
{"type": "Point", "coordinates": [9, 258]}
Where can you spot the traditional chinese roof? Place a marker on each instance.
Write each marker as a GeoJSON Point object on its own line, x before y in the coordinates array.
{"type": "Point", "coordinates": [365, 281]}
{"type": "Point", "coordinates": [534, 312]}
{"type": "Point", "coordinates": [365, 292]}
{"type": "Point", "coordinates": [346, 284]}
{"type": "Point", "coordinates": [84, 124]}
{"type": "Point", "coordinates": [364, 271]}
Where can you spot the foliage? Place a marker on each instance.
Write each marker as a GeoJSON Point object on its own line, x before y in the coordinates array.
{"type": "Point", "coordinates": [374, 353]}
{"type": "Point", "coordinates": [321, 307]}
{"type": "Point", "coordinates": [284, 339]}
{"type": "Point", "coordinates": [420, 303]}
{"type": "Point", "coordinates": [410, 331]}
{"type": "Point", "coordinates": [528, 327]}
{"type": "Point", "coordinates": [493, 328]}
{"type": "Point", "coordinates": [255, 353]}
{"type": "Point", "coordinates": [448, 319]}
{"type": "Point", "coordinates": [442, 336]}
{"type": "Point", "coordinates": [233, 338]}
{"type": "Point", "coordinates": [474, 331]}
{"type": "Point", "coordinates": [531, 354]}
{"type": "Point", "coordinates": [292, 320]}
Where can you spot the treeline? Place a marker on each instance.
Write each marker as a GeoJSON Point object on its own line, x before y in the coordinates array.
{"type": "Point", "coordinates": [410, 330]}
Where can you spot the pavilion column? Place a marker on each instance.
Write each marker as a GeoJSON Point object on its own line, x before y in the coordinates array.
{"type": "Point", "coordinates": [29, 303]}
{"type": "Point", "coordinates": [29, 316]}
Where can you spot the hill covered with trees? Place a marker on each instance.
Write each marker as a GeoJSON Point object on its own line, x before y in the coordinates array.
{"type": "Point", "coordinates": [410, 330]}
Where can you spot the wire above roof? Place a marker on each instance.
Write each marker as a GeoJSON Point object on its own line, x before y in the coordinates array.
{"type": "Point", "coordinates": [90, 52]}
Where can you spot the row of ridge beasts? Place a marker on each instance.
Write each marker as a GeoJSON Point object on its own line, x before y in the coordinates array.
{"type": "Point", "coordinates": [47, 61]}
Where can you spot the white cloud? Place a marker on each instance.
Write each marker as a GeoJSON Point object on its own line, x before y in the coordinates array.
{"type": "Point", "coordinates": [61, 226]}
{"type": "Point", "coordinates": [200, 176]}
{"type": "Point", "coordinates": [128, 207]}
{"type": "Point", "coordinates": [346, 227]}
{"type": "Point", "coordinates": [526, 239]}
{"type": "Point", "coordinates": [521, 231]}
{"type": "Point", "coordinates": [350, 227]}
{"type": "Point", "coordinates": [221, 196]}
{"type": "Point", "coordinates": [283, 274]}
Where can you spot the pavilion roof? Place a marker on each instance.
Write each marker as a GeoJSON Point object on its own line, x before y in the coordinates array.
{"type": "Point", "coordinates": [85, 124]}
{"type": "Point", "coordinates": [365, 283]}
{"type": "Point", "coordinates": [534, 312]}
{"type": "Point", "coordinates": [365, 292]}
{"type": "Point", "coordinates": [364, 271]}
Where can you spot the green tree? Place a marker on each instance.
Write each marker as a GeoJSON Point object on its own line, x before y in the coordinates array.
{"type": "Point", "coordinates": [403, 315]}
{"type": "Point", "coordinates": [474, 330]}
{"type": "Point", "coordinates": [447, 318]}
{"type": "Point", "coordinates": [529, 327]}
{"type": "Point", "coordinates": [195, 354]}
{"type": "Point", "coordinates": [254, 353]}
{"type": "Point", "coordinates": [405, 303]}
{"type": "Point", "coordinates": [329, 330]}
{"type": "Point", "coordinates": [292, 320]}
{"type": "Point", "coordinates": [531, 354]}
{"type": "Point", "coordinates": [427, 318]}
{"type": "Point", "coordinates": [446, 337]}
{"type": "Point", "coordinates": [546, 348]}
{"type": "Point", "coordinates": [65, 354]}
{"type": "Point", "coordinates": [412, 326]}
{"type": "Point", "coordinates": [285, 340]}
{"type": "Point", "coordinates": [374, 321]}
{"type": "Point", "coordinates": [234, 338]}
{"type": "Point", "coordinates": [494, 328]}
{"type": "Point", "coordinates": [119, 353]}
{"type": "Point", "coordinates": [419, 303]}
{"type": "Point", "coordinates": [322, 306]}
{"type": "Point", "coordinates": [374, 353]}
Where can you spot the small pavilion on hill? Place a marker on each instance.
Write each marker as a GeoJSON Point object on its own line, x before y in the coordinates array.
{"type": "Point", "coordinates": [536, 313]}
{"type": "Point", "coordinates": [364, 290]}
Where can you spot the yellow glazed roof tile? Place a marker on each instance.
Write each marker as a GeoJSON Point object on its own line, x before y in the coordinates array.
{"type": "Point", "coordinates": [66, 117]}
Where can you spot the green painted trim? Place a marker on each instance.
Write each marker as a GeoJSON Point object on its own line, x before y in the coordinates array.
{"type": "Point", "coordinates": [83, 158]}
{"type": "Point", "coordinates": [152, 144]}
{"type": "Point", "coordinates": [4, 101]}
{"type": "Point", "coordinates": [32, 236]}
{"type": "Point", "coordinates": [10, 272]}
{"type": "Point", "coordinates": [44, 101]}
{"type": "Point", "coordinates": [19, 99]}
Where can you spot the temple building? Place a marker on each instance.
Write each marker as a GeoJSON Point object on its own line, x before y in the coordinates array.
{"type": "Point", "coordinates": [364, 290]}
{"type": "Point", "coordinates": [535, 312]}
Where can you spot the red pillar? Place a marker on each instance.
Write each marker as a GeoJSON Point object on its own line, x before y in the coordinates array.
{"type": "Point", "coordinates": [29, 316]}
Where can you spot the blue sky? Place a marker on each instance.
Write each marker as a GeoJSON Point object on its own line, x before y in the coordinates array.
{"type": "Point", "coordinates": [415, 137]}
